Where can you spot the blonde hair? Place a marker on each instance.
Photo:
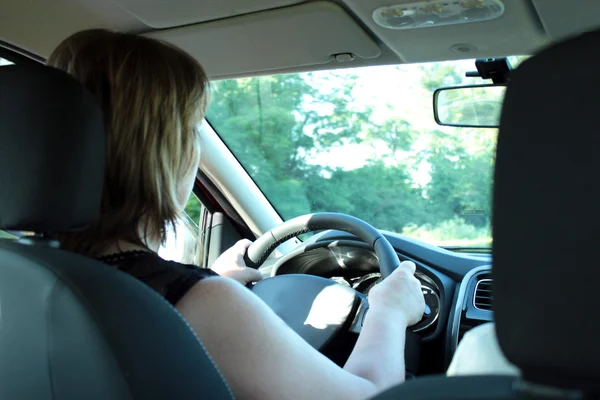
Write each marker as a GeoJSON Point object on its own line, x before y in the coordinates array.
{"type": "Point", "coordinates": [152, 95]}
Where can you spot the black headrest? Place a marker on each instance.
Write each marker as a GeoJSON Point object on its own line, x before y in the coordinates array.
{"type": "Point", "coordinates": [546, 219]}
{"type": "Point", "coordinates": [51, 151]}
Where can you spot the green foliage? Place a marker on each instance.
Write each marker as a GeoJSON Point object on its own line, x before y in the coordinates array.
{"type": "Point", "coordinates": [193, 209]}
{"type": "Point", "coordinates": [279, 125]}
{"type": "Point", "coordinates": [375, 193]}
{"type": "Point", "coordinates": [461, 181]}
{"type": "Point", "coordinates": [451, 232]}
{"type": "Point", "coordinates": [440, 75]}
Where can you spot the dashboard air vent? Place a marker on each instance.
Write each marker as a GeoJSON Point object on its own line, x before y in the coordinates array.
{"type": "Point", "coordinates": [483, 295]}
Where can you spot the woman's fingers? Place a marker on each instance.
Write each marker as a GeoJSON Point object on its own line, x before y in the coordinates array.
{"type": "Point", "coordinates": [408, 266]}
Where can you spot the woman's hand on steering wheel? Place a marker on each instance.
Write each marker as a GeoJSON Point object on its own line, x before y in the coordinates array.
{"type": "Point", "coordinates": [231, 264]}
{"type": "Point", "coordinates": [400, 294]}
{"type": "Point", "coordinates": [398, 299]}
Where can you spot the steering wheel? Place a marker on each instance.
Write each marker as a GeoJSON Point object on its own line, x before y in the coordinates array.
{"type": "Point", "coordinates": [317, 308]}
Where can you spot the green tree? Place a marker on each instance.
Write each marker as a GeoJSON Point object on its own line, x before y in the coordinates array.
{"type": "Point", "coordinates": [274, 124]}
{"type": "Point", "coordinates": [460, 184]}
{"type": "Point", "coordinates": [271, 123]}
{"type": "Point", "coordinates": [435, 76]}
{"type": "Point", "coordinates": [379, 194]}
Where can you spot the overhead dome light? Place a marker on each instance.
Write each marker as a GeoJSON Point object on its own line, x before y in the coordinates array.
{"type": "Point", "coordinates": [433, 13]}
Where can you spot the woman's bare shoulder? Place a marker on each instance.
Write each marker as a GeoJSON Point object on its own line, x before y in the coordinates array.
{"type": "Point", "coordinates": [211, 297]}
{"type": "Point", "coordinates": [216, 286]}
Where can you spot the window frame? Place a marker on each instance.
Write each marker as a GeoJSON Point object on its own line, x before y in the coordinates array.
{"type": "Point", "coordinates": [19, 56]}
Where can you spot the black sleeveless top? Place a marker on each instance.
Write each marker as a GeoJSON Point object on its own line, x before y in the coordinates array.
{"type": "Point", "coordinates": [169, 278]}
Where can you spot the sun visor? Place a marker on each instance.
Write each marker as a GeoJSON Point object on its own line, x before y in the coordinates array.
{"type": "Point", "coordinates": [160, 14]}
{"type": "Point", "coordinates": [566, 18]}
{"type": "Point", "coordinates": [306, 34]}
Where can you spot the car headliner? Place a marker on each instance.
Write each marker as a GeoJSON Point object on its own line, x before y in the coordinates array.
{"type": "Point", "coordinates": [250, 37]}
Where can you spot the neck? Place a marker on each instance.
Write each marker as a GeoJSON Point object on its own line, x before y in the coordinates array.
{"type": "Point", "coordinates": [120, 246]}
{"type": "Point", "coordinates": [151, 243]}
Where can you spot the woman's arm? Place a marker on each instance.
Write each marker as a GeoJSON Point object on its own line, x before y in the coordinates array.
{"type": "Point", "coordinates": [395, 304]}
{"type": "Point", "coordinates": [379, 352]}
{"type": "Point", "coordinates": [262, 358]}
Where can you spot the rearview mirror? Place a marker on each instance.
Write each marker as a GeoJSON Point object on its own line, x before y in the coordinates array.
{"type": "Point", "coordinates": [476, 106]}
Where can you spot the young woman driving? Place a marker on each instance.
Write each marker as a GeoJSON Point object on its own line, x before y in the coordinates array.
{"type": "Point", "coordinates": [153, 96]}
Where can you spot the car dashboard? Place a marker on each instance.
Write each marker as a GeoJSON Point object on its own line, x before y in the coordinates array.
{"type": "Point", "coordinates": [456, 286]}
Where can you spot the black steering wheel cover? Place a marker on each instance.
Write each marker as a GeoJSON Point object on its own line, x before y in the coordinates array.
{"type": "Point", "coordinates": [263, 246]}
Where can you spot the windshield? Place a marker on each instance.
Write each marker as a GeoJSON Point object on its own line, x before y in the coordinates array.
{"type": "Point", "coordinates": [363, 142]}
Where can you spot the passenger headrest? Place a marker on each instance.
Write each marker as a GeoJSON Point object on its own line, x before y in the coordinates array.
{"type": "Point", "coordinates": [51, 151]}
{"type": "Point", "coordinates": [546, 219]}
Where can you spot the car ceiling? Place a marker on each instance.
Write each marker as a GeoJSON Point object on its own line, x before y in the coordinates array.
{"type": "Point", "coordinates": [249, 37]}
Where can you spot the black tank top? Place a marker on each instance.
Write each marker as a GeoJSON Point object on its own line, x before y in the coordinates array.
{"type": "Point", "coordinates": [169, 278]}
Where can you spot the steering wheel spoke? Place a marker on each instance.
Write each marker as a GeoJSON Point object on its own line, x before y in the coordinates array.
{"type": "Point", "coordinates": [361, 313]}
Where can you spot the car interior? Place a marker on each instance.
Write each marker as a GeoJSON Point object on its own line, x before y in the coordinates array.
{"type": "Point", "coordinates": [490, 192]}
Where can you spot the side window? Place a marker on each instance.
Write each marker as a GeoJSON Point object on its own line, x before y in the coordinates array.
{"type": "Point", "coordinates": [6, 235]}
{"type": "Point", "coordinates": [4, 62]}
{"type": "Point", "coordinates": [185, 243]}
{"type": "Point", "coordinates": [194, 209]}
